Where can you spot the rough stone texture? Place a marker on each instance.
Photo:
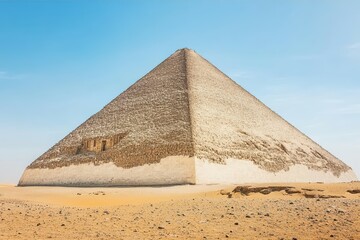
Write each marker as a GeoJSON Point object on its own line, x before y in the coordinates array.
{"type": "Point", "coordinates": [152, 116]}
{"type": "Point", "coordinates": [228, 122]}
{"type": "Point", "coordinates": [235, 171]}
{"type": "Point", "coordinates": [186, 107]}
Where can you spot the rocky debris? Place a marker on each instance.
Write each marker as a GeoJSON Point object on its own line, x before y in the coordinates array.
{"type": "Point", "coordinates": [312, 190]}
{"type": "Point", "coordinates": [211, 216]}
{"type": "Point", "coordinates": [306, 192]}
{"type": "Point", "coordinates": [340, 210]}
{"type": "Point", "coordinates": [225, 192]}
{"type": "Point", "coordinates": [106, 212]}
{"type": "Point", "coordinates": [318, 195]}
{"type": "Point", "coordinates": [98, 193]}
{"type": "Point", "coordinates": [161, 227]}
{"type": "Point", "coordinates": [246, 190]}
{"type": "Point", "coordinates": [330, 196]}
{"type": "Point", "coordinates": [292, 191]}
{"type": "Point", "coordinates": [354, 191]}
{"type": "Point", "coordinates": [265, 191]}
{"type": "Point", "coordinates": [311, 195]}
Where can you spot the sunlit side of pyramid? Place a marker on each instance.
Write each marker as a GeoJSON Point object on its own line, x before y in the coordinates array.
{"type": "Point", "coordinates": [185, 122]}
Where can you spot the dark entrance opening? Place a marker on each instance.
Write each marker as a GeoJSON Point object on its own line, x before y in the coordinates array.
{"type": "Point", "coordinates": [103, 145]}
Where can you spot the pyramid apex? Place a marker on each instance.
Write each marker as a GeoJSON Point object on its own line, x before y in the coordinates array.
{"type": "Point", "coordinates": [185, 49]}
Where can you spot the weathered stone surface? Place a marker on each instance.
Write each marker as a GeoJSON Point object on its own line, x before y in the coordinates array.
{"type": "Point", "coordinates": [151, 121]}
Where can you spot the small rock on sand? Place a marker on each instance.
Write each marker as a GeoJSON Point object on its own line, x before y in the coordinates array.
{"type": "Point", "coordinates": [224, 192]}
{"type": "Point", "coordinates": [292, 191]}
{"type": "Point", "coordinates": [354, 191]}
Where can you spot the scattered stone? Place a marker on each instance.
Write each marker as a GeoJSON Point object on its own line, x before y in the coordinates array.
{"type": "Point", "coordinates": [161, 227]}
{"type": "Point", "coordinates": [311, 195]}
{"type": "Point", "coordinates": [106, 212]}
{"type": "Point", "coordinates": [330, 196]}
{"type": "Point", "coordinates": [98, 193]}
{"type": "Point", "coordinates": [354, 191]}
{"type": "Point", "coordinates": [246, 190]}
{"type": "Point", "coordinates": [292, 191]}
{"type": "Point", "coordinates": [339, 210]}
{"type": "Point", "coordinates": [312, 190]}
{"type": "Point", "coordinates": [265, 191]}
{"type": "Point", "coordinates": [224, 192]}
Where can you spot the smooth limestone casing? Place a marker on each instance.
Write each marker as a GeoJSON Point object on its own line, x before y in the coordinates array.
{"type": "Point", "coordinates": [175, 170]}
{"type": "Point", "coordinates": [236, 171]}
{"type": "Point", "coordinates": [170, 170]}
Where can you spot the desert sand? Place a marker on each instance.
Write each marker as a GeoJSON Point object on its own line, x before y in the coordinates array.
{"type": "Point", "coordinates": [263, 211]}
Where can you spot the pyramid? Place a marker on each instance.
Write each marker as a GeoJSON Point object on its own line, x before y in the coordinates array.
{"type": "Point", "coordinates": [185, 122]}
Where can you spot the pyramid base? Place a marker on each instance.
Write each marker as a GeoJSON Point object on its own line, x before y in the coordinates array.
{"type": "Point", "coordinates": [170, 171]}
{"type": "Point", "coordinates": [174, 170]}
{"type": "Point", "coordinates": [236, 171]}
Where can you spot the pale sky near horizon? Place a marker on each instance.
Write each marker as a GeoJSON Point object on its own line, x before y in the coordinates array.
{"type": "Point", "coordinates": [62, 61]}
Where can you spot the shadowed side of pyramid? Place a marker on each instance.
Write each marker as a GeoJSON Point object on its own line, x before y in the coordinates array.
{"type": "Point", "coordinates": [185, 122]}
{"type": "Point", "coordinates": [142, 137]}
{"type": "Point", "coordinates": [239, 139]}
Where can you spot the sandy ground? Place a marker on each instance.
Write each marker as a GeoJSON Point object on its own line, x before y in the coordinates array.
{"type": "Point", "coordinates": [179, 212]}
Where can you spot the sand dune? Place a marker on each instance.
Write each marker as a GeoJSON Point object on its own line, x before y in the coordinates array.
{"type": "Point", "coordinates": [181, 212]}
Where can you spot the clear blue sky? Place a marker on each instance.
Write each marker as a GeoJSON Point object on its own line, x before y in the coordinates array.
{"type": "Point", "coordinates": [62, 61]}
